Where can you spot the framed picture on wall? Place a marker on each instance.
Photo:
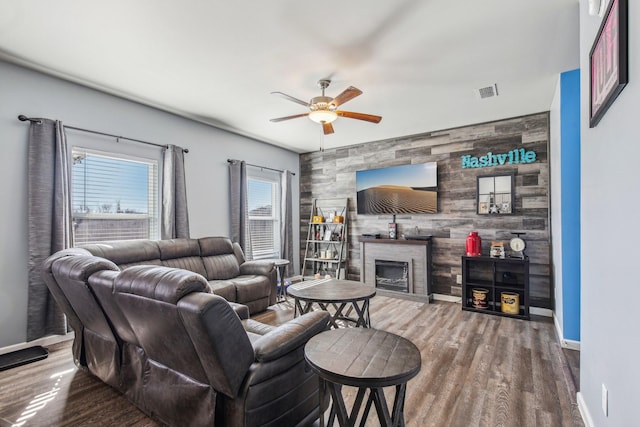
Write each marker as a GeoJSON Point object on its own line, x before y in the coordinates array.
{"type": "Point", "coordinates": [496, 195]}
{"type": "Point", "coordinates": [608, 59]}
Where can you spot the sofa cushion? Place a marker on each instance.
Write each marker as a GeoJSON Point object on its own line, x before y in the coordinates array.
{"type": "Point", "coordinates": [224, 288]}
{"type": "Point", "coordinates": [219, 258]}
{"type": "Point", "coordinates": [182, 253]}
{"type": "Point", "coordinates": [159, 283]}
{"type": "Point", "coordinates": [221, 267]}
{"type": "Point", "coordinates": [127, 252]}
{"type": "Point", "coordinates": [255, 330]}
{"type": "Point", "coordinates": [147, 262]}
{"type": "Point", "coordinates": [215, 246]}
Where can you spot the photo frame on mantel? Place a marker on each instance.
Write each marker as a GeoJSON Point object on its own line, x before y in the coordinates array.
{"type": "Point", "coordinates": [495, 195]}
{"type": "Point", "coordinates": [608, 61]}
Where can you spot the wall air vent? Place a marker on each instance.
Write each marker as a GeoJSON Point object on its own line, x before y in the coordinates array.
{"type": "Point", "coordinates": [487, 92]}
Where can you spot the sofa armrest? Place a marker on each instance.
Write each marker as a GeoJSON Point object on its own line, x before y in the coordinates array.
{"type": "Point", "coordinates": [241, 310]}
{"type": "Point", "coordinates": [290, 335]}
{"type": "Point", "coordinates": [257, 267]}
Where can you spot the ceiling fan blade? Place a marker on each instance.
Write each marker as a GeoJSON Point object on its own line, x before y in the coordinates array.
{"type": "Point", "coordinates": [291, 98]}
{"type": "Point", "coordinates": [327, 128]}
{"type": "Point", "coordinates": [280, 119]}
{"type": "Point", "coordinates": [346, 95]}
{"type": "Point", "coordinates": [360, 116]}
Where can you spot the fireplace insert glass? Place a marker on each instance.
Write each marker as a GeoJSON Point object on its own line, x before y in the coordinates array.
{"type": "Point", "coordinates": [392, 275]}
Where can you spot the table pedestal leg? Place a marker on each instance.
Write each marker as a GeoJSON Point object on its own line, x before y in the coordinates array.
{"type": "Point", "coordinates": [321, 390]}
{"type": "Point", "coordinates": [338, 407]}
{"type": "Point", "coordinates": [298, 307]}
{"type": "Point", "coordinates": [398, 405]}
{"type": "Point", "coordinates": [376, 398]}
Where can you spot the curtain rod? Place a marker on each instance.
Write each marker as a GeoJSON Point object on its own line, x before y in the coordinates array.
{"type": "Point", "coordinates": [24, 118]}
{"type": "Point", "coordinates": [261, 167]}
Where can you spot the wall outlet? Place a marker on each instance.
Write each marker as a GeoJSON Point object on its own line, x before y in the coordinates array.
{"type": "Point", "coordinates": [605, 400]}
{"type": "Point", "coordinates": [459, 279]}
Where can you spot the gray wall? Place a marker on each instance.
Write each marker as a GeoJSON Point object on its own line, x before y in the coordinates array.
{"type": "Point", "coordinates": [332, 174]}
{"type": "Point", "coordinates": [34, 94]}
{"type": "Point", "coordinates": [609, 341]}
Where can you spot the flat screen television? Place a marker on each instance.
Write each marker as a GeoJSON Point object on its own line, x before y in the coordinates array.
{"type": "Point", "coordinates": [398, 189]}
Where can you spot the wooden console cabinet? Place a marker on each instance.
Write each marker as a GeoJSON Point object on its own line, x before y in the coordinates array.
{"type": "Point", "coordinates": [495, 275]}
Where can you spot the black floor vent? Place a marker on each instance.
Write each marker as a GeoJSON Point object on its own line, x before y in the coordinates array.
{"type": "Point", "coordinates": [22, 357]}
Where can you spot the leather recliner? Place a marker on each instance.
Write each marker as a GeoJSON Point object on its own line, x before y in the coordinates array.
{"type": "Point", "coordinates": [181, 354]}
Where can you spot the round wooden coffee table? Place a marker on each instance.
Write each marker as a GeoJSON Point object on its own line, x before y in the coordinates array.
{"type": "Point", "coordinates": [369, 359]}
{"type": "Point", "coordinates": [337, 295]}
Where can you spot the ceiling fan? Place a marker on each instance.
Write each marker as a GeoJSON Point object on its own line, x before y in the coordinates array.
{"type": "Point", "coordinates": [323, 109]}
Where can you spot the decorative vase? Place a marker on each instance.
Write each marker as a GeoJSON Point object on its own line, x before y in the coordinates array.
{"type": "Point", "coordinates": [474, 244]}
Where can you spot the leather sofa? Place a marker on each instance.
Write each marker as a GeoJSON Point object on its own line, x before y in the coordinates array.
{"type": "Point", "coordinates": [221, 262]}
{"type": "Point", "coordinates": [180, 353]}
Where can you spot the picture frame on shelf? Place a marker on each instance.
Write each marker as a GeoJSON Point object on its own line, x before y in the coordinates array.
{"type": "Point", "coordinates": [608, 61]}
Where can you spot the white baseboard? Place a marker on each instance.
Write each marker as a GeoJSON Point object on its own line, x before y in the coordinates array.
{"type": "Point", "coordinates": [539, 311]}
{"type": "Point", "coordinates": [44, 341]}
{"type": "Point", "coordinates": [564, 343]}
{"type": "Point", "coordinates": [448, 298]}
{"type": "Point", "coordinates": [584, 411]}
{"type": "Point", "coordinates": [570, 344]}
{"type": "Point", "coordinates": [559, 332]}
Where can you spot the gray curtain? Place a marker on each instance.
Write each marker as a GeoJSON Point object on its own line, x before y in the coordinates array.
{"type": "Point", "coordinates": [49, 216]}
{"type": "Point", "coordinates": [238, 203]}
{"type": "Point", "coordinates": [175, 215]}
{"type": "Point", "coordinates": [286, 222]}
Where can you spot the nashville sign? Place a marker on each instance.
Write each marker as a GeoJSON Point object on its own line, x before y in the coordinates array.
{"type": "Point", "coordinates": [513, 157]}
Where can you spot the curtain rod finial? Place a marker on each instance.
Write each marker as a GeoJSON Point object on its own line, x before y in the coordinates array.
{"type": "Point", "coordinates": [24, 118]}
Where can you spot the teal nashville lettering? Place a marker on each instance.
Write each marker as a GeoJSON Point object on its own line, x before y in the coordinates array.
{"type": "Point", "coordinates": [513, 157]}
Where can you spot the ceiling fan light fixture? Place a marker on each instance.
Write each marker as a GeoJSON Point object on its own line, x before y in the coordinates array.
{"type": "Point", "coordinates": [323, 116]}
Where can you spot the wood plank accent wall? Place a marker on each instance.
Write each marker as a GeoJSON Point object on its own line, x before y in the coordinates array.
{"type": "Point", "coordinates": [332, 173]}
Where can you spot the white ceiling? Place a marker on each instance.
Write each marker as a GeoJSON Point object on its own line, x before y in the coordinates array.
{"type": "Point", "coordinates": [418, 62]}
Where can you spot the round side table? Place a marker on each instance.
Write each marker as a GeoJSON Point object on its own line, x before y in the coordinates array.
{"type": "Point", "coordinates": [281, 264]}
{"type": "Point", "coordinates": [369, 359]}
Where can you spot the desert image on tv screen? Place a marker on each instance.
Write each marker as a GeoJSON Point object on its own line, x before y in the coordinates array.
{"type": "Point", "coordinates": [398, 189]}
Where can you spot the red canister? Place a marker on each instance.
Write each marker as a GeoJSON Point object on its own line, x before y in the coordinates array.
{"type": "Point", "coordinates": [474, 244]}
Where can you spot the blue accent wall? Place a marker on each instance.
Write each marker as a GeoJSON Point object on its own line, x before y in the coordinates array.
{"type": "Point", "coordinates": [570, 195]}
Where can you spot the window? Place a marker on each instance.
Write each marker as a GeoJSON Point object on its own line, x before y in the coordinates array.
{"type": "Point", "coordinates": [263, 199]}
{"type": "Point", "coordinates": [113, 196]}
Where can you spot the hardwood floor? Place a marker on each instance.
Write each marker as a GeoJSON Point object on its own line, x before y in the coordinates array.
{"type": "Point", "coordinates": [573, 362]}
{"type": "Point", "coordinates": [477, 370]}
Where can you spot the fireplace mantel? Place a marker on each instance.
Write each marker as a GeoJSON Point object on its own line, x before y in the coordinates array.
{"type": "Point", "coordinates": [415, 252]}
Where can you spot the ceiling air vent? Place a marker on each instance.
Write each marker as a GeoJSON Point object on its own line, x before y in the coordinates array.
{"type": "Point", "coordinates": [487, 92]}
